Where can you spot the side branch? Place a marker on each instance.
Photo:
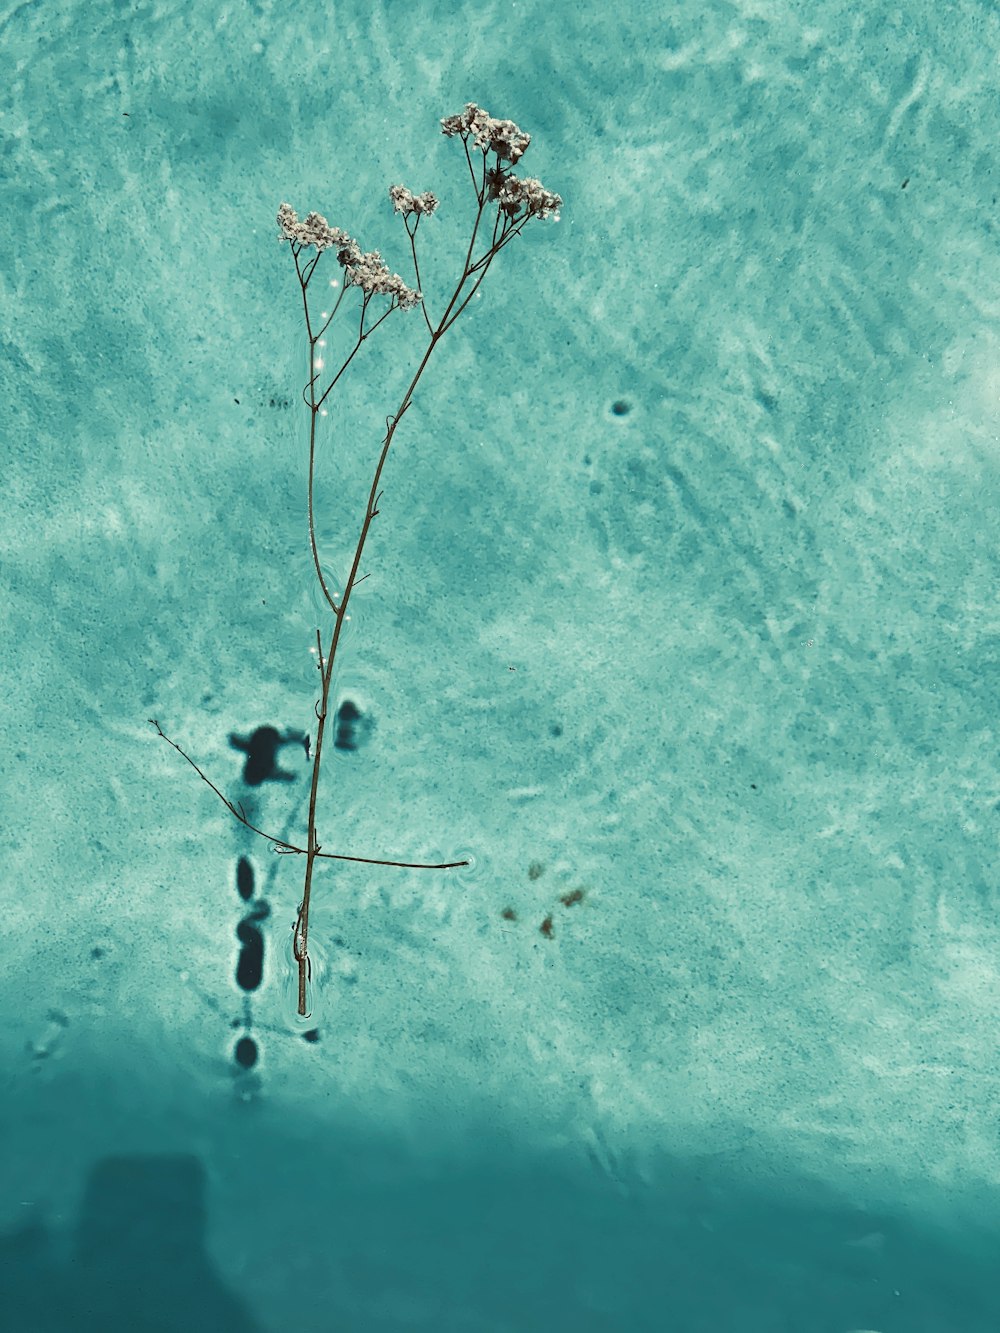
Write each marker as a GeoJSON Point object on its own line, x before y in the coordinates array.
{"type": "Point", "coordinates": [236, 811]}
{"type": "Point", "coordinates": [290, 848]}
{"type": "Point", "coordinates": [406, 865]}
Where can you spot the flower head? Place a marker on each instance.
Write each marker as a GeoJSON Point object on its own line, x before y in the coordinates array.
{"type": "Point", "coordinates": [514, 194]}
{"type": "Point", "coordinates": [498, 136]}
{"type": "Point", "coordinates": [314, 231]}
{"type": "Point", "coordinates": [405, 201]}
{"type": "Point", "coordinates": [366, 271]}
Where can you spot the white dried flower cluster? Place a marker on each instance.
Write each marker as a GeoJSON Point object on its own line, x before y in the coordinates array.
{"type": "Point", "coordinates": [514, 194]}
{"type": "Point", "coordinates": [500, 136]}
{"type": "Point", "coordinates": [405, 201]}
{"type": "Point", "coordinates": [314, 231]}
{"type": "Point", "coordinates": [366, 271]}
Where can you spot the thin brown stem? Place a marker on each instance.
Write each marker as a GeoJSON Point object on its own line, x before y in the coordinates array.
{"type": "Point", "coordinates": [291, 848]}
{"type": "Point", "coordinates": [416, 269]}
{"type": "Point", "coordinates": [336, 307]}
{"type": "Point", "coordinates": [315, 404]}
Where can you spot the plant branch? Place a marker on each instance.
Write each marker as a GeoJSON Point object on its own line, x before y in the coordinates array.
{"type": "Point", "coordinates": [291, 848]}
{"type": "Point", "coordinates": [416, 269]}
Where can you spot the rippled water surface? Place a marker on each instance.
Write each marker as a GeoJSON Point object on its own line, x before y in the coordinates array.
{"type": "Point", "coordinates": [680, 625]}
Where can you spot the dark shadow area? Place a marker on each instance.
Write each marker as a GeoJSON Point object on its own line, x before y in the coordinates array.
{"type": "Point", "coordinates": [250, 964]}
{"type": "Point", "coordinates": [352, 727]}
{"type": "Point", "coordinates": [138, 1261]}
{"type": "Point", "coordinates": [261, 748]}
{"type": "Point", "coordinates": [504, 1242]}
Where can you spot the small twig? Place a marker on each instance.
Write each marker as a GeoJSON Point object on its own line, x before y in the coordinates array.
{"type": "Point", "coordinates": [291, 848]}
{"type": "Point", "coordinates": [416, 269]}
{"type": "Point", "coordinates": [236, 810]}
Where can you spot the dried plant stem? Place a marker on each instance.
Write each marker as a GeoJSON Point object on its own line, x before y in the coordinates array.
{"type": "Point", "coordinates": [454, 308]}
{"type": "Point", "coordinates": [517, 200]}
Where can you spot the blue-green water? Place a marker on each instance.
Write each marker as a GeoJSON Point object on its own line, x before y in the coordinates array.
{"type": "Point", "coordinates": [682, 608]}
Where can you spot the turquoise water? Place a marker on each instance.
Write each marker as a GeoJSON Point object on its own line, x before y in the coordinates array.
{"type": "Point", "coordinates": [681, 608]}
